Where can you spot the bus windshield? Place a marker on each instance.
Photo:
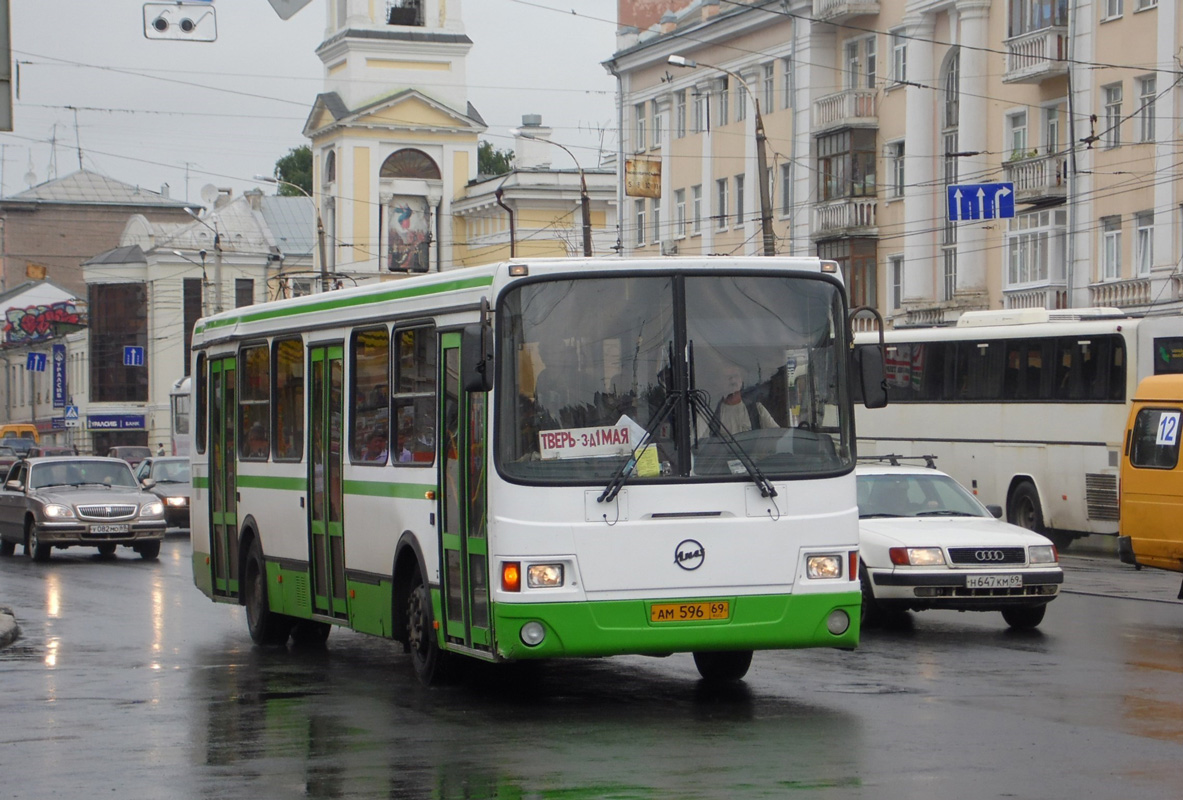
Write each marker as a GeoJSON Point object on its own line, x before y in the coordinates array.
{"type": "Point", "coordinates": [717, 369]}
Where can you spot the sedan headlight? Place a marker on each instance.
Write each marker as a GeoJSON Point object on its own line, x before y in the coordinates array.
{"type": "Point", "coordinates": [1042, 554]}
{"type": "Point", "coordinates": [177, 502]}
{"type": "Point", "coordinates": [917, 557]}
{"type": "Point", "coordinates": [56, 511]}
{"type": "Point", "coordinates": [153, 509]}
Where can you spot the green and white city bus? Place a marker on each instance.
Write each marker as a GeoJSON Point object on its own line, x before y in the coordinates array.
{"type": "Point", "coordinates": [538, 459]}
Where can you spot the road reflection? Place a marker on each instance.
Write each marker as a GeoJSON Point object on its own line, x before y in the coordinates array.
{"type": "Point", "coordinates": [351, 720]}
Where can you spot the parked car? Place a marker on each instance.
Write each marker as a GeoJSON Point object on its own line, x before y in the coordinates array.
{"type": "Point", "coordinates": [132, 454]}
{"type": "Point", "coordinates": [43, 450]}
{"type": "Point", "coordinates": [926, 542]}
{"type": "Point", "coordinates": [169, 477]}
{"type": "Point", "coordinates": [70, 501]}
{"type": "Point", "coordinates": [8, 457]}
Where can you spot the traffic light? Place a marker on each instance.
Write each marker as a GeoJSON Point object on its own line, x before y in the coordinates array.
{"type": "Point", "coordinates": [184, 20]}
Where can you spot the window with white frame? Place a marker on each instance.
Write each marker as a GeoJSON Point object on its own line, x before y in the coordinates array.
{"type": "Point", "coordinates": [739, 201]}
{"type": "Point", "coordinates": [1017, 125]}
{"type": "Point", "coordinates": [680, 114]}
{"type": "Point", "coordinates": [1111, 132]}
{"type": "Point", "coordinates": [722, 206]}
{"type": "Point", "coordinates": [1147, 89]}
{"type": "Point", "coordinates": [639, 215]}
{"type": "Point", "coordinates": [741, 103]}
{"type": "Point", "coordinates": [1051, 130]}
{"type": "Point", "coordinates": [657, 124]}
{"type": "Point", "coordinates": [871, 60]}
{"type": "Point", "coordinates": [1027, 16]}
{"type": "Point", "coordinates": [861, 63]}
{"type": "Point", "coordinates": [853, 64]}
{"type": "Point", "coordinates": [656, 219]}
{"type": "Point", "coordinates": [895, 274]}
{"type": "Point", "coordinates": [1113, 8]}
{"type": "Point", "coordinates": [1110, 248]}
{"type": "Point", "coordinates": [1144, 242]}
{"type": "Point", "coordinates": [639, 127]}
{"type": "Point", "coordinates": [679, 213]}
{"type": "Point", "coordinates": [1035, 252]}
{"type": "Point", "coordinates": [895, 156]}
{"type": "Point", "coordinates": [724, 100]}
{"type": "Point", "coordinates": [899, 55]}
{"type": "Point", "coordinates": [786, 189]}
{"type": "Point", "coordinates": [1145, 4]}
{"type": "Point", "coordinates": [696, 208]}
{"type": "Point", "coordinates": [769, 71]}
{"type": "Point", "coordinates": [786, 80]}
{"type": "Point", "coordinates": [702, 119]}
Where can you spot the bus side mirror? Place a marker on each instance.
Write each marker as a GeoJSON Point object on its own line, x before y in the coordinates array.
{"type": "Point", "coordinates": [871, 374]}
{"type": "Point", "coordinates": [476, 358]}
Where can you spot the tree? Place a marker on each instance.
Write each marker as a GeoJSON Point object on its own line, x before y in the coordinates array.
{"type": "Point", "coordinates": [490, 161]}
{"type": "Point", "coordinates": [295, 167]}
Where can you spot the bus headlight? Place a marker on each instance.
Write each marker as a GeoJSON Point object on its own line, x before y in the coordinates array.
{"type": "Point", "coordinates": [542, 576]}
{"type": "Point", "coordinates": [829, 566]}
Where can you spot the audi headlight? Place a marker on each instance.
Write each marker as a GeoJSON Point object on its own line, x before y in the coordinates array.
{"type": "Point", "coordinates": [56, 511]}
{"type": "Point", "coordinates": [917, 556]}
{"type": "Point", "coordinates": [1042, 554]}
{"type": "Point", "coordinates": [153, 509]}
{"type": "Point", "coordinates": [177, 502]}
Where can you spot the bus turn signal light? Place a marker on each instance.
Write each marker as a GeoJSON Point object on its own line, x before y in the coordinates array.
{"type": "Point", "coordinates": [511, 576]}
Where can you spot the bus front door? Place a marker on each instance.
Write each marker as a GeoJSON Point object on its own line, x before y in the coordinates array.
{"type": "Point", "coordinates": [463, 518]}
{"type": "Point", "coordinates": [223, 404]}
{"type": "Point", "coordinates": [326, 532]}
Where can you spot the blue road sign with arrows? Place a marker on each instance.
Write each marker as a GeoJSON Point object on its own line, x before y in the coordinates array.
{"type": "Point", "coordinates": [981, 201]}
{"type": "Point", "coordinates": [35, 362]}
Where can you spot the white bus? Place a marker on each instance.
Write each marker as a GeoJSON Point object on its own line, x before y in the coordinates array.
{"type": "Point", "coordinates": [180, 416]}
{"type": "Point", "coordinates": [526, 461]}
{"type": "Point", "coordinates": [1026, 407]}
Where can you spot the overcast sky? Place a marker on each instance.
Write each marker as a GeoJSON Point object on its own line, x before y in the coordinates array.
{"type": "Point", "coordinates": [229, 109]}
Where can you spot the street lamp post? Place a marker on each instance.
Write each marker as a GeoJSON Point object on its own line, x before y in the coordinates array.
{"type": "Point", "coordinates": [584, 200]}
{"type": "Point", "coordinates": [761, 147]}
{"type": "Point", "coordinates": [320, 228]}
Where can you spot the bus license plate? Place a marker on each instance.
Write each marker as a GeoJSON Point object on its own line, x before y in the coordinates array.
{"type": "Point", "coordinates": [108, 528]}
{"type": "Point", "coordinates": [993, 581]}
{"type": "Point", "coordinates": [689, 612]}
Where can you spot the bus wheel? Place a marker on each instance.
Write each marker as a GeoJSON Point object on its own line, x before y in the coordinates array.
{"type": "Point", "coordinates": [1024, 618]}
{"type": "Point", "coordinates": [265, 626]}
{"type": "Point", "coordinates": [723, 666]}
{"type": "Point", "coordinates": [1025, 510]}
{"type": "Point", "coordinates": [310, 633]}
{"type": "Point", "coordinates": [426, 657]}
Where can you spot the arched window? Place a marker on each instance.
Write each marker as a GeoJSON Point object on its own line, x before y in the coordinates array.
{"type": "Point", "coordinates": [409, 163]}
{"type": "Point", "coordinates": [951, 89]}
{"type": "Point", "coordinates": [952, 86]}
{"type": "Point", "coordinates": [330, 170]}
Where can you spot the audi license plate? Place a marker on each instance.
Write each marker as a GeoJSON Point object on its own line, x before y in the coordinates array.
{"type": "Point", "coordinates": [689, 612]}
{"type": "Point", "coordinates": [110, 528]}
{"type": "Point", "coordinates": [993, 581]}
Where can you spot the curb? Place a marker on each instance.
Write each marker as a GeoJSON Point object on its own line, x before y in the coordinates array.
{"type": "Point", "coordinates": [9, 630]}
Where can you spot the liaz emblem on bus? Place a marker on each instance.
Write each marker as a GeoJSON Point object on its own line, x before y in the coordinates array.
{"type": "Point", "coordinates": [610, 440]}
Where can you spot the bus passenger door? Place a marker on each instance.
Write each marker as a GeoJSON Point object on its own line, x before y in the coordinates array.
{"type": "Point", "coordinates": [463, 518]}
{"type": "Point", "coordinates": [223, 405]}
{"type": "Point", "coordinates": [327, 543]}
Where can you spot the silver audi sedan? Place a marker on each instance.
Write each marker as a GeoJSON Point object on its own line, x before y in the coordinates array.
{"type": "Point", "coordinates": [71, 501]}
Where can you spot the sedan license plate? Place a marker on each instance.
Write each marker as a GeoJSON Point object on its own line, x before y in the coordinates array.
{"type": "Point", "coordinates": [993, 581]}
{"type": "Point", "coordinates": [689, 612]}
{"type": "Point", "coordinates": [110, 528]}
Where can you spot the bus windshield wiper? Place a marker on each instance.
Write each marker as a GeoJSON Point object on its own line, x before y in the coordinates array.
{"type": "Point", "coordinates": [715, 424]}
{"type": "Point", "coordinates": [629, 466]}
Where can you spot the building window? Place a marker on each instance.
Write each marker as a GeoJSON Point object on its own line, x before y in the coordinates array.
{"type": "Point", "coordinates": [1110, 248]}
{"type": "Point", "coordinates": [254, 403]}
{"type": "Point", "coordinates": [118, 319]}
{"type": "Point", "coordinates": [696, 208]}
{"type": "Point", "coordinates": [722, 206]}
{"type": "Point", "coordinates": [899, 55]}
{"type": "Point", "coordinates": [1035, 250]}
{"type": "Point", "coordinates": [1144, 224]}
{"type": "Point", "coordinates": [861, 63]}
{"type": "Point", "coordinates": [739, 200]}
{"type": "Point", "coordinates": [244, 292]}
{"type": "Point", "coordinates": [895, 267]}
{"type": "Point", "coordinates": [769, 87]}
{"type": "Point", "coordinates": [846, 164]}
{"type": "Point", "coordinates": [895, 155]}
{"type": "Point", "coordinates": [192, 291]}
{"type": "Point", "coordinates": [1147, 90]}
{"type": "Point", "coordinates": [741, 104]}
{"type": "Point", "coordinates": [1035, 15]}
{"type": "Point", "coordinates": [786, 189]}
{"type": "Point", "coordinates": [369, 436]}
{"type": "Point", "coordinates": [656, 219]}
{"type": "Point", "coordinates": [1113, 9]}
{"type": "Point", "coordinates": [1145, 4]}
{"type": "Point", "coordinates": [657, 125]}
{"type": "Point", "coordinates": [1051, 130]}
{"type": "Point", "coordinates": [702, 118]}
{"type": "Point", "coordinates": [948, 273]}
{"type": "Point", "coordinates": [639, 130]}
{"type": "Point", "coordinates": [639, 211]}
{"type": "Point", "coordinates": [786, 78]}
{"type": "Point", "coordinates": [723, 100]}
{"type": "Point", "coordinates": [1017, 125]}
{"type": "Point", "coordinates": [952, 89]}
{"type": "Point", "coordinates": [856, 258]}
{"type": "Point", "coordinates": [1111, 134]}
{"type": "Point", "coordinates": [680, 114]}
{"type": "Point", "coordinates": [680, 213]}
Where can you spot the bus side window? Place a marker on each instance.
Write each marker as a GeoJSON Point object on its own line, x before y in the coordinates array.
{"type": "Point", "coordinates": [414, 395]}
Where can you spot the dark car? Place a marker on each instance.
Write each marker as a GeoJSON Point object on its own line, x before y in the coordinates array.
{"type": "Point", "coordinates": [8, 457]}
{"type": "Point", "coordinates": [169, 476]}
{"type": "Point", "coordinates": [43, 450]}
{"type": "Point", "coordinates": [132, 454]}
{"type": "Point", "coordinates": [20, 444]}
{"type": "Point", "coordinates": [72, 501]}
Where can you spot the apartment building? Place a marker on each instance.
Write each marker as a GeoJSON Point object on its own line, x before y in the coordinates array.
{"type": "Point", "coordinates": [870, 110]}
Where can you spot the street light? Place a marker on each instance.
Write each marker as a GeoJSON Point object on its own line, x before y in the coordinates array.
{"type": "Point", "coordinates": [217, 258]}
{"type": "Point", "coordinates": [584, 201]}
{"type": "Point", "coordinates": [320, 228]}
{"type": "Point", "coordinates": [761, 156]}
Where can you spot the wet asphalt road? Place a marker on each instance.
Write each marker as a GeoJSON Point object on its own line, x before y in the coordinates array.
{"type": "Point", "coordinates": [128, 683]}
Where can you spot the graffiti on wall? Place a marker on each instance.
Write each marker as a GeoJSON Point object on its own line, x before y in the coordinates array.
{"type": "Point", "coordinates": [38, 323]}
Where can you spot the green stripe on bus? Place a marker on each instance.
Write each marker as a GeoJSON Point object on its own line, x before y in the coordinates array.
{"type": "Point", "coordinates": [348, 302]}
{"type": "Point", "coordinates": [200, 482]}
{"type": "Point", "coordinates": [271, 482]}
{"type": "Point", "coordinates": [407, 491]}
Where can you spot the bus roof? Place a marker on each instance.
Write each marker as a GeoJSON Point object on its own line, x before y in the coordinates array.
{"type": "Point", "coordinates": [1028, 316]}
{"type": "Point", "coordinates": [1160, 388]}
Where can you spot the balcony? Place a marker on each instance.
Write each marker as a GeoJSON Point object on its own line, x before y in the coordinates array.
{"type": "Point", "coordinates": [853, 108]}
{"type": "Point", "coordinates": [1049, 296]}
{"type": "Point", "coordinates": [1037, 56]}
{"type": "Point", "coordinates": [1121, 294]}
{"type": "Point", "coordinates": [850, 216]}
{"type": "Point", "coordinates": [1040, 179]}
{"type": "Point", "coordinates": [840, 10]}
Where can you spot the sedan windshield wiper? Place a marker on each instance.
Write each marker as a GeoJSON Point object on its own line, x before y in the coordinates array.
{"type": "Point", "coordinates": [946, 513]}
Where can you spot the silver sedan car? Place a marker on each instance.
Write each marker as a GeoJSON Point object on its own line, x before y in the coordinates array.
{"type": "Point", "coordinates": [71, 501]}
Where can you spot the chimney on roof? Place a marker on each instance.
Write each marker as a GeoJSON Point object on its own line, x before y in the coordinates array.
{"type": "Point", "coordinates": [530, 148]}
{"type": "Point", "coordinates": [254, 197]}
{"type": "Point", "coordinates": [164, 190]}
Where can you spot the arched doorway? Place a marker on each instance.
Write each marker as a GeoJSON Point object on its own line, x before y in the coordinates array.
{"type": "Point", "coordinates": [412, 189]}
